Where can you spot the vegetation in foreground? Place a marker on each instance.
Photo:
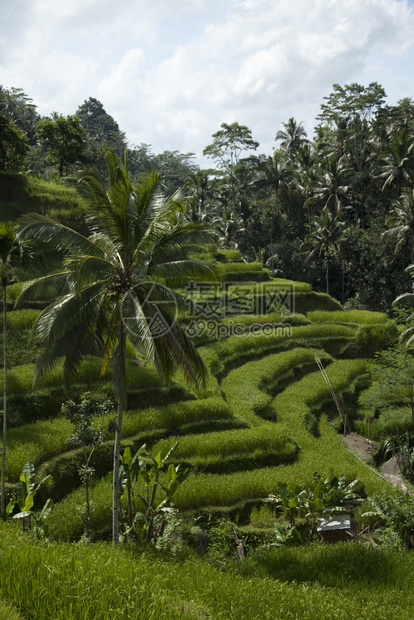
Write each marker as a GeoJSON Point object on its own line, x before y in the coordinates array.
{"type": "Point", "coordinates": [97, 581]}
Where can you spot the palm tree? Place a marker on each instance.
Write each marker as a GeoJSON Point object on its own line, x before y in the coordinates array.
{"type": "Point", "coordinates": [273, 172]}
{"type": "Point", "coordinates": [199, 190]}
{"type": "Point", "coordinates": [293, 136]}
{"type": "Point", "coordinates": [10, 248]}
{"type": "Point", "coordinates": [325, 234]}
{"type": "Point", "coordinates": [401, 223]}
{"type": "Point", "coordinates": [331, 185]}
{"type": "Point", "coordinates": [396, 164]}
{"type": "Point", "coordinates": [306, 175]}
{"type": "Point", "coordinates": [112, 287]}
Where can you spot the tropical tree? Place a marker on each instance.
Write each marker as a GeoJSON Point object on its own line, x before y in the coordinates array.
{"type": "Point", "coordinates": [112, 290]}
{"type": "Point", "coordinates": [331, 184]}
{"type": "Point", "coordinates": [396, 163]}
{"type": "Point", "coordinates": [17, 107]}
{"type": "Point", "coordinates": [401, 223]}
{"type": "Point", "coordinates": [10, 249]}
{"type": "Point", "coordinates": [392, 376]}
{"type": "Point", "coordinates": [14, 145]}
{"type": "Point", "coordinates": [325, 234]}
{"type": "Point", "coordinates": [292, 137]}
{"type": "Point", "coordinates": [272, 173]}
{"type": "Point", "coordinates": [228, 144]}
{"type": "Point", "coordinates": [63, 139]}
{"type": "Point", "coordinates": [305, 175]}
{"type": "Point", "coordinates": [226, 148]}
{"type": "Point", "coordinates": [87, 436]}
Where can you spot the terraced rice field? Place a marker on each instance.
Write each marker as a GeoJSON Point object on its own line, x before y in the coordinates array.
{"type": "Point", "coordinates": [265, 415]}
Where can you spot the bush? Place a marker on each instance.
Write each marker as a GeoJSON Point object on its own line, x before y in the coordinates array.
{"type": "Point", "coordinates": [373, 338]}
{"type": "Point", "coordinates": [308, 302]}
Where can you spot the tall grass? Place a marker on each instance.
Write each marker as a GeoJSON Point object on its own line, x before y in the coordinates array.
{"type": "Point", "coordinates": [267, 319]}
{"type": "Point", "coordinates": [21, 319]}
{"type": "Point", "coordinates": [265, 437]}
{"type": "Point", "coordinates": [20, 378]}
{"type": "Point", "coordinates": [356, 317]}
{"type": "Point", "coordinates": [100, 582]}
{"type": "Point", "coordinates": [235, 267]}
{"type": "Point", "coordinates": [35, 442]}
{"type": "Point", "coordinates": [276, 284]}
{"type": "Point", "coordinates": [9, 612]}
{"type": "Point", "coordinates": [321, 453]}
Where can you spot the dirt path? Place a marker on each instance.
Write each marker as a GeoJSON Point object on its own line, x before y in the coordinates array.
{"type": "Point", "coordinates": [365, 448]}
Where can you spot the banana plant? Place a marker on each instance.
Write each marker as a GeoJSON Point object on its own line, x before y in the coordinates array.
{"type": "Point", "coordinates": [144, 468]}
{"type": "Point", "coordinates": [336, 494]}
{"type": "Point", "coordinates": [24, 498]}
{"type": "Point", "coordinates": [291, 501]}
{"type": "Point", "coordinates": [331, 494]}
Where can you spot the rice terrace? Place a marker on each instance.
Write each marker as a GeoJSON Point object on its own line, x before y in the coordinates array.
{"type": "Point", "coordinates": [203, 376]}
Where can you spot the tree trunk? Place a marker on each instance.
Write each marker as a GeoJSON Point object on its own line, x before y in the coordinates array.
{"type": "Point", "coordinates": [3, 471]}
{"type": "Point", "coordinates": [327, 271]}
{"type": "Point", "coordinates": [117, 445]}
{"type": "Point", "coordinates": [115, 481]}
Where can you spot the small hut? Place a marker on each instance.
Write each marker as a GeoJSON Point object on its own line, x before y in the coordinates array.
{"type": "Point", "coordinates": [337, 528]}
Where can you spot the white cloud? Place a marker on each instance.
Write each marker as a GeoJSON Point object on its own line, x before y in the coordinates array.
{"type": "Point", "coordinates": [171, 72]}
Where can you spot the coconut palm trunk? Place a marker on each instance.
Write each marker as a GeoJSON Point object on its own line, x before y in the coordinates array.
{"type": "Point", "coordinates": [118, 435]}
{"type": "Point", "coordinates": [327, 269]}
{"type": "Point", "coordinates": [10, 249]}
{"type": "Point", "coordinates": [3, 470]}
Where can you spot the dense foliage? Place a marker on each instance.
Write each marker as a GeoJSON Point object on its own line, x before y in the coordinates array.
{"type": "Point", "coordinates": [335, 211]}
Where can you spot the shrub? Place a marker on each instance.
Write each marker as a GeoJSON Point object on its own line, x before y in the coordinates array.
{"type": "Point", "coordinates": [308, 302]}
{"type": "Point", "coordinates": [373, 338]}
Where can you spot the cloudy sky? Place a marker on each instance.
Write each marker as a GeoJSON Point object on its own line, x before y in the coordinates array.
{"type": "Point", "coordinates": [171, 71]}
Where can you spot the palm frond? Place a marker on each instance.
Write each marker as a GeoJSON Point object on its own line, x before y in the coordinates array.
{"type": "Point", "coordinates": [183, 271]}
{"type": "Point", "coordinates": [60, 237]}
{"type": "Point", "coordinates": [54, 285]}
{"type": "Point", "coordinates": [406, 299]}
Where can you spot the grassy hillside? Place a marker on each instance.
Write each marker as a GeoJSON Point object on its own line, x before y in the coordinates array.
{"type": "Point", "coordinates": [265, 417]}
{"type": "Point", "coordinates": [20, 193]}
